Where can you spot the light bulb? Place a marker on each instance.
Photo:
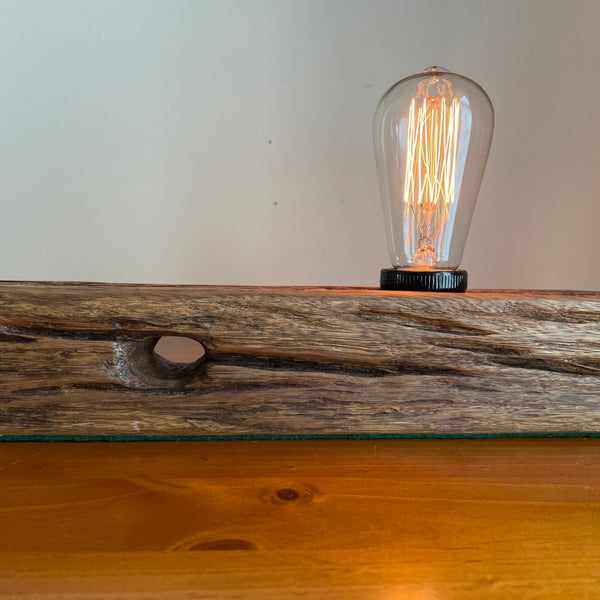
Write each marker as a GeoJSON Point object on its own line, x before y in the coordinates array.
{"type": "Point", "coordinates": [432, 133]}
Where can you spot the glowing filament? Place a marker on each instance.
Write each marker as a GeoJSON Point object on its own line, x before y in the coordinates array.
{"type": "Point", "coordinates": [429, 185]}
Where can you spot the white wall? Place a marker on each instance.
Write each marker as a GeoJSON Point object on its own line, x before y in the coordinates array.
{"type": "Point", "coordinates": [230, 141]}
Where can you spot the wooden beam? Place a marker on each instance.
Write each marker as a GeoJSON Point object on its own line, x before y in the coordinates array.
{"type": "Point", "coordinates": [78, 359]}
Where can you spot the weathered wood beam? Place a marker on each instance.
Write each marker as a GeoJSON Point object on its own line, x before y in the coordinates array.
{"type": "Point", "coordinates": [78, 359]}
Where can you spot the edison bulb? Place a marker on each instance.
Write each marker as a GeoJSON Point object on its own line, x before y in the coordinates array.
{"type": "Point", "coordinates": [432, 134]}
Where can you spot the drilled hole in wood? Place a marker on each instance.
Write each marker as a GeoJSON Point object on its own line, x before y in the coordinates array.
{"type": "Point", "coordinates": [178, 349]}
{"type": "Point", "coordinates": [168, 361]}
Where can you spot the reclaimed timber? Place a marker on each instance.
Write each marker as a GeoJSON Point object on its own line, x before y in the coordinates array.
{"type": "Point", "coordinates": [79, 359]}
{"type": "Point", "coordinates": [418, 519]}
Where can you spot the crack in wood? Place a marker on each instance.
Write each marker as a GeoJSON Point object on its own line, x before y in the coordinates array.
{"type": "Point", "coordinates": [275, 363]}
{"type": "Point", "coordinates": [422, 322]}
{"type": "Point", "coordinates": [10, 337]}
{"type": "Point", "coordinates": [84, 335]}
{"type": "Point", "coordinates": [558, 314]}
{"type": "Point", "coordinates": [501, 354]}
{"type": "Point", "coordinates": [555, 366]}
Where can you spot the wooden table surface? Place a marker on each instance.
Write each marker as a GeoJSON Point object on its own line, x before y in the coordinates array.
{"type": "Point", "coordinates": [417, 519]}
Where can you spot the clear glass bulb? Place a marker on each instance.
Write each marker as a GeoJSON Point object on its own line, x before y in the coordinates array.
{"type": "Point", "coordinates": [432, 134]}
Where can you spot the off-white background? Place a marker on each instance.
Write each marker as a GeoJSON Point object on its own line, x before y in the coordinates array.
{"type": "Point", "coordinates": [230, 141]}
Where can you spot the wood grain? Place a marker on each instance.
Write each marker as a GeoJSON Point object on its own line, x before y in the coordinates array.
{"type": "Point", "coordinates": [419, 519]}
{"type": "Point", "coordinates": [78, 359]}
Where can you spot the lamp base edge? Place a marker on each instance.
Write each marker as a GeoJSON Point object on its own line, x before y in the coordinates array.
{"type": "Point", "coordinates": [408, 280]}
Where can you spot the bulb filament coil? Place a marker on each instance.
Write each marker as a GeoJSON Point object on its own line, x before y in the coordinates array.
{"type": "Point", "coordinates": [429, 185]}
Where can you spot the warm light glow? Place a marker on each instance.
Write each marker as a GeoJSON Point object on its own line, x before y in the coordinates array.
{"type": "Point", "coordinates": [431, 135]}
{"type": "Point", "coordinates": [429, 185]}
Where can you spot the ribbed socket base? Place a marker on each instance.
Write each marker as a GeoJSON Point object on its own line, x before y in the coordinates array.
{"type": "Point", "coordinates": [423, 281]}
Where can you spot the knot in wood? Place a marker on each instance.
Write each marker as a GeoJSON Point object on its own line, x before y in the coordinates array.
{"type": "Point", "coordinates": [298, 493]}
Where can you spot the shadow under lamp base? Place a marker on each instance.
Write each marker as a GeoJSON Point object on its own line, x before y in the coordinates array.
{"type": "Point", "coordinates": [424, 281]}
